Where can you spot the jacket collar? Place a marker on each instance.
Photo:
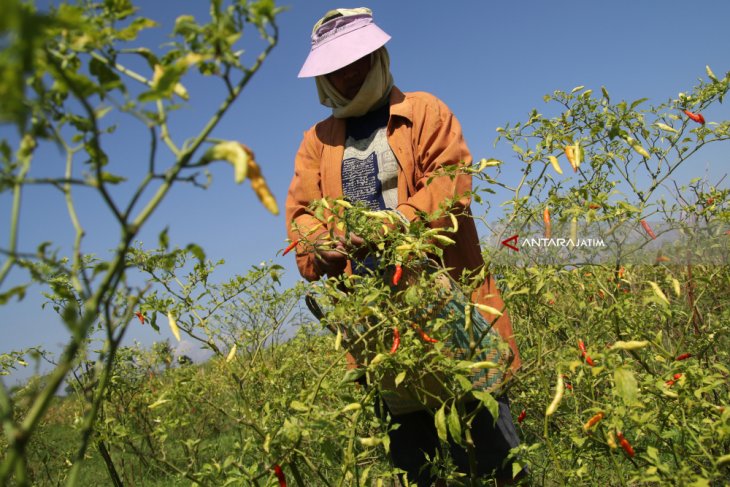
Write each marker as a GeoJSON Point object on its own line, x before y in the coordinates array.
{"type": "Point", "coordinates": [399, 104]}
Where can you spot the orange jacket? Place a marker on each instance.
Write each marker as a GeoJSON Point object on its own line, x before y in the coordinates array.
{"type": "Point", "coordinates": [425, 136]}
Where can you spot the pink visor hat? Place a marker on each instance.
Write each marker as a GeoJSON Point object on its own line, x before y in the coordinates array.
{"type": "Point", "coordinates": [342, 41]}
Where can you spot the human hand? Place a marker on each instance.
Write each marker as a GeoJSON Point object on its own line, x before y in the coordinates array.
{"type": "Point", "coordinates": [330, 257]}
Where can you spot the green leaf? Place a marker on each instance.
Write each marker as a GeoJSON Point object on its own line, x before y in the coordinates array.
{"type": "Point", "coordinates": [110, 178]}
{"type": "Point", "coordinates": [440, 422]}
{"type": "Point", "coordinates": [637, 103]}
{"type": "Point", "coordinates": [18, 291]}
{"type": "Point", "coordinates": [455, 424]}
{"type": "Point", "coordinates": [164, 239]}
{"type": "Point", "coordinates": [197, 251]}
{"type": "Point", "coordinates": [352, 375]}
{"type": "Point", "coordinates": [626, 386]}
{"type": "Point", "coordinates": [299, 406]}
{"type": "Point", "coordinates": [130, 32]}
{"type": "Point", "coordinates": [489, 402]}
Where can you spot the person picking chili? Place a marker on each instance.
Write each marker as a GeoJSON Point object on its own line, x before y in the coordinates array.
{"type": "Point", "coordinates": [379, 148]}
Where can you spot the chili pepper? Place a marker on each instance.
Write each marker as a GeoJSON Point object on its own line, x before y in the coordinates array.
{"type": "Point", "coordinates": [571, 155]}
{"type": "Point", "coordinates": [675, 378]}
{"type": "Point", "coordinates": [584, 353]}
{"type": "Point", "coordinates": [593, 421]}
{"type": "Point", "coordinates": [140, 317]}
{"type": "Point", "coordinates": [259, 186]}
{"type": "Point", "coordinates": [611, 441]}
{"type": "Point", "coordinates": [648, 229]}
{"type": "Point", "coordinates": [397, 274]}
{"type": "Point", "coordinates": [396, 340]}
{"type": "Point", "coordinates": [568, 384]}
{"type": "Point", "coordinates": [522, 416]}
{"type": "Point", "coordinates": [684, 356]}
{"type": "Point", "coordinates": [695, 117]}
{"type": "Point", "coordinates": [546, 219]}
{"type": "Point", "coordinates": [559, 389]}
{"type": "Point", "coordinates": [280, 475]}
{"type": "Point", "coordinates": [424, 336]}
{"type": "Point", "coordinates": [556, 166]}
{"type": "Point", "coordinates": [662, 258]}
{"type": "Point", "coordinates": [709, 201]}
{"type": "Point", "coordinates": [625, 444]}
{"type": "Point", "coordinates": [290, 247]}
{"type": "Point", "coordinates": [594, 206]}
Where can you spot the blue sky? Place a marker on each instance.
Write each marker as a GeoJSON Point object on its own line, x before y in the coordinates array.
{"type": "Point", "coordinates": [490, 61]}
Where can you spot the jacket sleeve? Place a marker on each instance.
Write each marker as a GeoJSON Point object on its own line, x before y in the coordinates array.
{"type": "Point", "coordinates": [305, 187]}
{"type": "Point", "coordinates": [437, 143]}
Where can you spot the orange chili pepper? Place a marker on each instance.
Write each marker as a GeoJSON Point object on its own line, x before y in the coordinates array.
{"type": "Point", "coordinates": [594, 206]}
{"type": "Point", "coordinates": [648, 229]}
{"type": "Point", "coordinates": [696, 117]}
{"type": "Point", "coordinates": [397, 274]}
{"type": "Point", "coordinates": [593, 421]}
{"type": "Point", "coordinates": [280, 475]}
{"type": "Point", "coordinates": [290, 247]}
{"type": "Point", "coordinates": [546, 219]}
{"type": "Point", "coordinates": [424, 336]}
{"type": "Point", "coordinates": [625, 444]}
{"type": "Point", "coordinates": [396, 340]}
{"type": "Point", "coordinates": [140, 317]}
{"type": "Point", "coordinates": [571, 157]}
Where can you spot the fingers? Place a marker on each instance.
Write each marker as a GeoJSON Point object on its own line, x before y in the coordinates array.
{"type": "Point", "coordinates": [329, 260]}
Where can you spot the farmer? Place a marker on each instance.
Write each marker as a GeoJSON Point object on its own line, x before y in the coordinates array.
{"type": "Point", "coordinates": [379, 147]}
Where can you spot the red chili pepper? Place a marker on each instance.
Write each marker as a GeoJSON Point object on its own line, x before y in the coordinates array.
{"type": "Point", "coordinates": [140, 317]}
{"type": "Point", "coordinates": [424, 336]}
{"type": "Point", "coordinates": [280, 475]}
{"type": "Point", "coordinates": [396, 340]}
{"type": "Point", "coordinates": [671, 382]}
{"type": "Point", "coordinates": [397, 274]}
{"type": "Point", "coordinates": [585, 355]}
{"type": "Point", "coordinates": [522, 416]}
{"type": "Point", "coordinates": [625, 444]}
{"type": "Point", "coordinates": [594, 206]}
{"type": "Point", "coordinates": [568, 385]}
{"type": "Point", "coordinates": [290, 247]}
{"type": "Point", "coordinates": [648, 229]}
{"type": "Point", "coordinates": [696, 117]}
{"type": "Point", "coordinates": [684, 356]}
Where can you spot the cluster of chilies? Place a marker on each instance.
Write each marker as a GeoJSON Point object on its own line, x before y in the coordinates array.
{"type": "Point", "coordinates": [598, 417]}
{"type": "Point", "coordinates": [396, 337]}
